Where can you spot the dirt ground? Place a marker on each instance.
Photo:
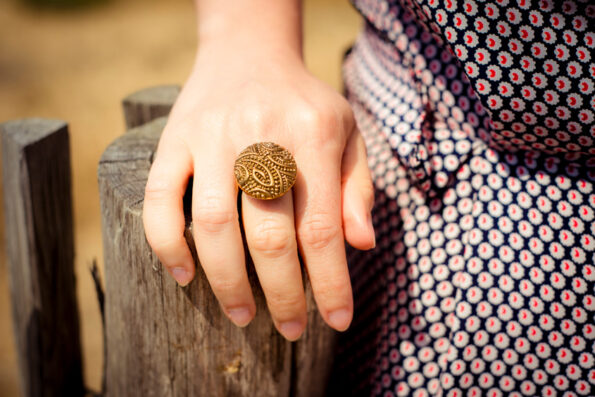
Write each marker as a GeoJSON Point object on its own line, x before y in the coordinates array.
{"type": "Point", "coordinates": [77, 65]}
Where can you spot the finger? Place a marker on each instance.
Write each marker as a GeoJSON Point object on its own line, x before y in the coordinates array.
{"type": "Point", "coordinates": [217, 234]}
{"type": "Point", "coordinates": [317, 197]}
{"type": "Point", "coordinates": [270, 234]}
{"type": "Point", "coordinates": [358, 195]}
{"type": "Point", "coordinates": [163, 212]}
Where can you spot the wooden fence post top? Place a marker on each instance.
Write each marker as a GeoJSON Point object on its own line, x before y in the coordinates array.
{"type": "Point", "coordinates": [30, 130]}
{"type": "Point", "coordinates": [149, 103]}
{"type": "Point", "coordinates": [125, 163]}
{"type": "Point", "coordinates": [164, 94]}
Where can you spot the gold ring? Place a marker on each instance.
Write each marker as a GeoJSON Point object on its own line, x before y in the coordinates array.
{"type": "Point", "coordinates": [265, 170]}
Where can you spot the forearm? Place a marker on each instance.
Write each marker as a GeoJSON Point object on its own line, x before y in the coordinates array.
{"type": "Point", "coordinates": [273, 25]}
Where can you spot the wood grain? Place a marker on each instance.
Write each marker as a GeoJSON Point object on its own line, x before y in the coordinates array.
{"type": "Point", "coordinates": [40, 253]}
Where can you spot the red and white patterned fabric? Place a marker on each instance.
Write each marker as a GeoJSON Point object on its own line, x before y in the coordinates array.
{"type": "Point", "coordinates": [479, 119]}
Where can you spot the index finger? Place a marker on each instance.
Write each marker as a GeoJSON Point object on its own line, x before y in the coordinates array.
{"type": "Point", "coordinates": [163, 213]}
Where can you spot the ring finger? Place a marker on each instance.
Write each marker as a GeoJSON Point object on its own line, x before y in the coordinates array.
{"type": "Point", "coordinates": [270, 235]}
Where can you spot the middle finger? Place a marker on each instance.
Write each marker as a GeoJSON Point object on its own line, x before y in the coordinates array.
{"type": "Point", "coordinates": [270, 235]}
{"type": "Point", "coordinates": [217, 234]}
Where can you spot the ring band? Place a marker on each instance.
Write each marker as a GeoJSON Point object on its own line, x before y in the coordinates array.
{"type": "Point", "coordinates": [265, 170]}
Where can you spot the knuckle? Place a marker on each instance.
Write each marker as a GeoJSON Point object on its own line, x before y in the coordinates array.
{"type": "Point", "coordinates": [323, 128]}
{"type": "Point", "coordinates": [161, 245]}
{"type": "Point", "coordinates": [211, 217]}
{"type": "Point", "coordinates": [319, 231]}
{"type": "Point", "coordinates": [320, 122]}
{"type": "Point", "coordinates": [286, 305]}
{"type": "Point", "coordinates": [329, 290]}
{"type": "Point", "coordinates": [158, 189]}
{"type": "Point", "coordinates": [223, 285]}
{"type": "Point", "coordinates": [271, 238]}
{"type": "Point", "coordinates": [254, 115]}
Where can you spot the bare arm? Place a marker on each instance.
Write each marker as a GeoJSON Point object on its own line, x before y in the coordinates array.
{"type": "Point", "coordinates": [264, 23]}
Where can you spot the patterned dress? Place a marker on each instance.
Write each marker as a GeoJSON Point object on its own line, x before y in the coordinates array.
{"type": "Point", "coordinates": [479, 118]}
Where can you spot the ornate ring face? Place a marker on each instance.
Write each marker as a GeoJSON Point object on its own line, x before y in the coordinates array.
{"type": "Point", "coordinates": [265, 170]}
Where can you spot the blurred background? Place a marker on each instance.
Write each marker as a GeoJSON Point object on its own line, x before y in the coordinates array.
{"type": "Point", "coordinates": [75, 60]}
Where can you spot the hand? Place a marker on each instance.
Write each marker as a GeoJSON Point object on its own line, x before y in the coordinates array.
{"type": "Point", "coordinates": [232, 100]}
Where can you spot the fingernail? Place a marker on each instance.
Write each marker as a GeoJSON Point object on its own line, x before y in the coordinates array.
{"type": "Point", "coordinates": [340, 319]}
{"type": "Point", "coordinates": [181, 275]}
{"type": "Point", "coordinates": [240, 316]}
{"type": "Point", "coordinates": [291, 330]}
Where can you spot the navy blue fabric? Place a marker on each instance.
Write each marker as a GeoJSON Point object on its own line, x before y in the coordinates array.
{"type": "Point", "coordinates": [479, 125]}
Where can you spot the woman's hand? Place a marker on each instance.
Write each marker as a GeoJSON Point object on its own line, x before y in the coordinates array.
{"type": "Point", "coordinates": [238, 95]}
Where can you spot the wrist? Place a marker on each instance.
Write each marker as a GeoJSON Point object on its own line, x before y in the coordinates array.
{"type": "Point", "coordinates": [251, 27]}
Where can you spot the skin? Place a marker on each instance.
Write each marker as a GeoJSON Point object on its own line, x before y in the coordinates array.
{"type": "Point", "coordinates": [249, 84]}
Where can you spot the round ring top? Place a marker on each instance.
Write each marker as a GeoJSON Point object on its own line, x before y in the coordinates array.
{"type": "Point", "coordinates": [265, 170]}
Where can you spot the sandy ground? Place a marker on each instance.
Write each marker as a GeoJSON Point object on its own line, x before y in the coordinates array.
{"type": "Point", "coordinates": [77, 66]}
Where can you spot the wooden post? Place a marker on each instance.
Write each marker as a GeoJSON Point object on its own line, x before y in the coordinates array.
{"type": "Point", "coordinates": [40, 253]}
{"type": "Point", "coordinates": [164, 340]}
{"type": "Point", "coordinates": [147, 104]}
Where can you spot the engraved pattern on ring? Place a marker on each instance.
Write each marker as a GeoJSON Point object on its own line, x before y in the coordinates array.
{"type": "Point", "coordinates": [265, 170]}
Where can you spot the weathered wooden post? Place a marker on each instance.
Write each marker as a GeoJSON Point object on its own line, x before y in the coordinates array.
{"type": "Point", "coordinates": [163, 340]}
{"type": "Point", "coordinates": [40, 253]}
{"type": "Point", "coordinates": [142, 106]}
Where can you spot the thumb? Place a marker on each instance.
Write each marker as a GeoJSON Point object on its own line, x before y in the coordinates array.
{"type": "Point", "coordinates": [357, 194]}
